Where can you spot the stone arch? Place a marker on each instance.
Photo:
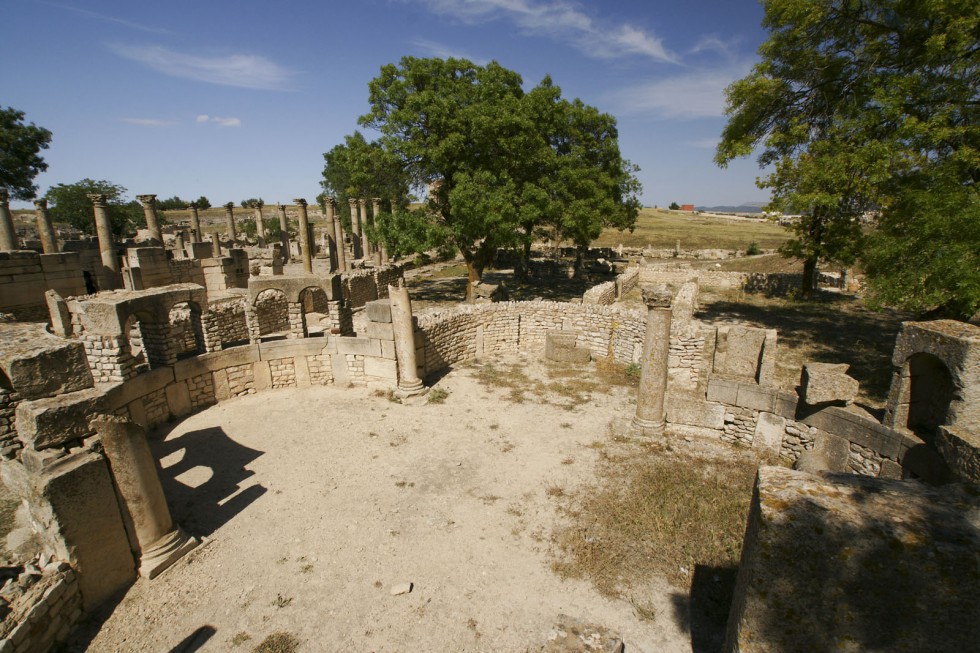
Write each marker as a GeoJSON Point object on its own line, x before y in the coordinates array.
{"type": "Point", "coordinates": [186, 329]}
{"type": "Point", "coordinates": [153, 333]}
{"type": "Point", "coordinates": [931, 391]}
{"type": "Point", "coordinates": [315, 310]}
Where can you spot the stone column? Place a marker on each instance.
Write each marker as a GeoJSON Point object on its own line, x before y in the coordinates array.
{"type": "Point", "coordinates": [365, 242]}
{"type": "Point", "coordinates": [103, 229]}
{"type": "Point", "coordinates": [409, 384]}
{"type": "Point", "coordinates": [215, 246]}
{"type": "Point", "coordinates": [149, 203]}
{"type": "Point", "coordinates": [355, 227]}
{"type": "Point", "coordinates": [230, 220]}
{"type": "Point", "coordinates": [161, 542]}
{"type": "Point", "coordinates": [49, 243]}
{"type": "Point", "coordinates": [259, 226]}
{"type": "Point", "coordinates": [379, 255]}
{"type": "Point", "coordinates": [304, 236]}
{"type": "Point", "coordinates": [338, 234]}
{"type": "Point", "coordinates": [331, 234]}
{"type": "Point", "coordinates": [650, 411]}
{"type": "Point", "coordinates": [8, 235]}
{"type": "Point", "coordinates": [197, 236]}
{"type": "Point", "coordinates": [283, 230]}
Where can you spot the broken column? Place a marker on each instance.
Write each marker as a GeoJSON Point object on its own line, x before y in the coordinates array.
{"type": "Point", "coordinates": [103, 229]}
{"type": "Point", "coordinates": [230, 221]}
{"type": "Point", "coordinates": [650, 412]}
{"type": "Point", "coordinates": [355, 227]}
{"type": "Point", "coordinates": [196, 235]}
{"type": "Point", "coordinates": [259, 225]}
{"type": "Point", "coordinates": [149, 203]}
{"type": "Point", "coordinates": [365, 241]}
{"type": "Point", "coordinates": [409, 383]}
{"type": "Point", "coordinates": [304, 236]}
{"type": "Point", "coordinates": [215, 246]}
{"type": "Point", "coordinates": [49, 242]}
{"type": "Point", "coordinates": [161, 542]}
{"type": "Point", "coordinates": [8, 235]}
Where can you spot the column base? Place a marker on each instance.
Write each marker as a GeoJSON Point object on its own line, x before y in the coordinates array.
{"type": "Point", "coordinates": [166, 551]}
{"type": "Point", "coordinates": [647, 427]}
{"type": "Point", "coordinates": [408, 390]}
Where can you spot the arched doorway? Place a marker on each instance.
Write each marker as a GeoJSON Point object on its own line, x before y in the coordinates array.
{"type": "Point", "coordinates": [272, 314]}
{"type": "Point", "coordinates": [316, 309]}
{"type": "Point", "coordinates": [930, 393]}
{"type": "Point", "coordinates": [186, 329]}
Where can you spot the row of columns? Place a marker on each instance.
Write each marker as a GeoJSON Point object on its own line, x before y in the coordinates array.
{"type": "Point", "coordinates": [8, 233]}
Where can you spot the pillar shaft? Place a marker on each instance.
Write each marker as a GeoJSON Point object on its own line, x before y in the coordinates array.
{"type": "Point", "coordinates": [196, 235]}
{"type": "Point", "coordinates": [355, 227]}
{"type": "Point", "coordinates": [304, 236]}
{"type": "Point", "coordinates": [259, 227]}
{"type": "Point", "coordinates": [49, 243]}
{"type": "Point", "coordinates": [103, 229]}
{"type": "Point", "coordinates": [149, 203]}
{"type": "Point", "coordinates": [135, 474]}
{"type": "Point", "coordinates": [215, 246]}
{"type": "Point", "coordinates": [332, 248]}
{"type": "Point", "coordinates": [365, 241]}
{"type": "Point", "coordinates": [283, 222]}
{"type": "Point", "coordinates": [650, 406]}
{"type": "Point", "coordinates": [409, 383]}
{"type": "Point", "coordinates": [230, 221]}
{"type": "Point", "coordinates": [8, 235]}
{"type": "Point", "coordinates": [338, 228]}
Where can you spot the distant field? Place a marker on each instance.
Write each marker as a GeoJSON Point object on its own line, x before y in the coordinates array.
{"type": "Point", "coordinates": [659, 228]}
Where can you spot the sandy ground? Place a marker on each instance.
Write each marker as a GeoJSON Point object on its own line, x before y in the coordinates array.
{"type": "Point", "coordinates": [314, 503]}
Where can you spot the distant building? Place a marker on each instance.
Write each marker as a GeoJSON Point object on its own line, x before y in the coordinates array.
{"type": "Point", "coordinates": [687, 207]}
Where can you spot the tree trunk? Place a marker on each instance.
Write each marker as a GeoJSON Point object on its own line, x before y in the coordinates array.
{"type": "Point", "coordinates": [579, 257]}
{"type": "Point", "coordinates": [474, 272]}
{"type": "Point", "coordinates": [809, 277]}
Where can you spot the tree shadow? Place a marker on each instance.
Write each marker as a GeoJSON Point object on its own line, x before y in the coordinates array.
{"type": "Point", "coordinates": [861, 564]}
{"type": "Point", "coordinates": [204, 507]}
{"type": "Point", "coordinates": [195, 640]}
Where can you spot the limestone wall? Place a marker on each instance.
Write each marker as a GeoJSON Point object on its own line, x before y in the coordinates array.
{"type": "Point", "coordinates": [26, 275]}
{"type": "Point", "coordinates": [225, 320]}
{"type": "Point", "coordinates": [44, 615]}
{"type": "Point", "coordinates": [674, 274]}
{"type": "Point", "coordinates": [366, 285]}
{"type": "Point", "coordinates": [605, 293]}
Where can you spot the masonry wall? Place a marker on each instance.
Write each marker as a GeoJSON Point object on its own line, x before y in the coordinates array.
{"type": "Point", "coordinates": [674, 274]}
{"type": "Point", "coordinates": [44, 615]}
{"type": "Point", "coordinates": [366, 285]}
{"type": "Point", "coordinates": [26, 275]}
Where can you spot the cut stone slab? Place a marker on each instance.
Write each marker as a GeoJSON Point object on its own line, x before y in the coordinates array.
{"type": "Point", "coordinates": [378, 310]}
{"type": "Point", "coordinates": [769, 432]}
{"type": "Point", "coordinates": [55, 421]}
{"type": "Point", "coordinates": [38, 364]}
{"type": "Point", "coordinates": [559, 346]}
{"type": "Point", "coordinates": [849, 563]}
{"type": "Point", "coordinates": [824, 383]}
{"type": "Point", "coordinates": [401, 588]}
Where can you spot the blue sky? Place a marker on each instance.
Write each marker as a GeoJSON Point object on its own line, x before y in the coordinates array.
{"type": "Point", "coordinates": [241, 99]}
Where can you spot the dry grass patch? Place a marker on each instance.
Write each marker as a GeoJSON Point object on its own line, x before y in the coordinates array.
{"type": "Point", "coordinates": [653, 513]}
{"type": "Point", "coordinates": [278, 642]}
{"type": "Point", "coordinates": [662, 229]}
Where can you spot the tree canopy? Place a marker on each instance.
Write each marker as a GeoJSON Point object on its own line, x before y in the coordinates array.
{"type": "Point", "coordinates": [20, 160]}
{"type": "Point", "coordinates": [871, 109]}
{"type": "Point", "coordinates": [498, 163]}
{"type": "Point", "coordinates": [70, 204]}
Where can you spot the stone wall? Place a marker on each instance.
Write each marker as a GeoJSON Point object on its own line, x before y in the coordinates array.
{"type": "Point", "coordinates": [368, 284]}
{"type": "Point", "coordinates": [25, 276]}
{"type": "Point", "coordinates": [44, 615]}
{"type": "Point", "coordinates": [225, 322]}
{"type": "Point", "coordinates": [606, 294]}
{"type": "Point", "coordinates": [674, 274]}
{"type": "Point", "coordinates": [272, 311]}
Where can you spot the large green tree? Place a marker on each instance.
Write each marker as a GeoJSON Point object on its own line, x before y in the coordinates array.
{"type": "Point", "coordinates": [498, 163]}
{"type": "Point", "coordinates": [70, 205]}
{"type": "Point", "coordinates": [869, 108]}
{"type": "Point", "coordinates": [20, 159]}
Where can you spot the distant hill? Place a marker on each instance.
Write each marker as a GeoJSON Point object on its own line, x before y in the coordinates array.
{"type": "Point", "coordinates": [748, 207]}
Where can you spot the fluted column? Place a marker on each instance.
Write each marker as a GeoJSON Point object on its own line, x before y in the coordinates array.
{"type": "Point", "coordinates": [650, 408]}
{"type": "Point", "coordinates": [304, 236]}
{"type": "Point", "coordinates": [8, 235]}
{"type": "Point", "coordinates": [409, 383]}
{"type": "Point", "coordinates": [355, 227]}
{"type": "Point", "coordinates": [149, 203]}
{"type": "Point", "coordinates": [49, 243]}
{"type": "Point", "coordinates": [196, 235]}
{"type": "Point", "coordinates": [230, 221]}
{"type": "Point", "coordinates": [259, 226]}
{"type": "Point", "coordinates": [103, 229]}
{"type": "Point", "coordinates": [161, 542]}
{"type": "Point", "coordinates": [365, 241]}
{"type": "Point", "coordinates": [338, 228]}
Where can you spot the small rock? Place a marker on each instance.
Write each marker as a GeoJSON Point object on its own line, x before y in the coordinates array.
{"type": "Point", "coordinates": [402, 588]}
{"type": "Point", "coordinates": [688, 438]}
{"type": "Point", "coordinates": [43, 561]}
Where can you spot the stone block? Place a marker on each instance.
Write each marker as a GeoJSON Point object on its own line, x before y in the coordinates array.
{"type": "Point", "coordinates": [723, 391]}
{"type": "Point", "coordinates": [222, 390]}
{"type": "Point", "coordinates": [824, 383]}
{"type": "Point", "coordinates": [785, 405]}
{"type": "Point", "coordinates": [379, 331]}
{"type": "Point", "coordinates": [961, 451]}
{"type": "Point", "coordinates": [55, 421]}
{"type": "Point", "coordinates": [293, 348]}
{"type": "Point", "coordinates": [262, 375]}
{"type": "Point", "coordinates": [738, 351]}
{"type": "Point", "coordinates": [359, 346]}
{"type": "Point", "coordinates": [378, 310]}
{"type": "Point", "coordinates": [755, 397]}
{"type": "Point", "coordinates": [381, 368]}
{"type": "Point", "coordinates": [388, 349]}
{"type": "Point", "coordinates": [852, 563]}
{"type": "Point", "coordinates": [692, 412]}
{"type": "Point", "coordinates": [830, 453]}
{"type": "Point", "coordinates": [769, 431]}
{"type": "Point", "coordinates": [139, 386]}
{"type": "Point", "coordinates": [39, 364]}
{"type": "Point", "coordinates": [301, 369]}
{"type": "Point", "coordinates": [178, 399]}
{"type": "Point", "coordinates": [217, 360]}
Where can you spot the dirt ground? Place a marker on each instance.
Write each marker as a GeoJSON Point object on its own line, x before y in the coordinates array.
{"type": "Point", "coordinates": [315, 503]}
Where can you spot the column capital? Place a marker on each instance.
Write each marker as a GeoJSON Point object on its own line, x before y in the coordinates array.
{"type": "Point", "coordinates": [98, 199]}
{"type": "Point", "coordinates": [352, 201]}
{"type": "Point", "coordinates": [147, 200]}
{"type": "Point", "coordinates": [376, 200]}
{"type": "Point", "coordinates": [4, 196]}
{"type": "Point", "coordinates": [331, 200]}
{"type": "Point", "coordinates": [300, 201]}
{"type": "Point", "coordinates": [41, 204]}
{"type": "Point", "coordinates": [659, 297]}
{"type": "Point", "coordinates": [362, 202]}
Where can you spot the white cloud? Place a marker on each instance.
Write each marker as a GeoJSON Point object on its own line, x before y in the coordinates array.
{"type": "Point", "coordinates": [695, 95]}
{"type": "Point", "coordinates": [241, 70]}
{"type": "Point", "coordinates": [562, 20]}
{"type": "Point", "coordinates": [149, 122]}
{"type": "Point", "coordinates": [726, 49]}
{"type": "Point", "coordinates": [709, 143]}
{"type": "Point", "coordinates": [443, 51]}
{"type": "Point", "coordinates": [220, 122]}
{"type": "Point", "coordinates": [109, 19]}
